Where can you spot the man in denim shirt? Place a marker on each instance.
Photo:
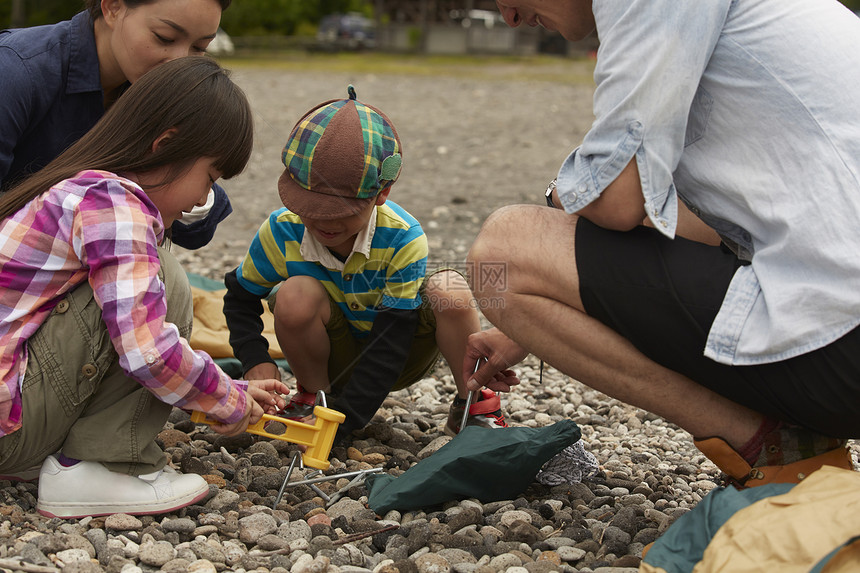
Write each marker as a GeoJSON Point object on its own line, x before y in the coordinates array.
{"type": "Point", "coordinates": [702, 260]}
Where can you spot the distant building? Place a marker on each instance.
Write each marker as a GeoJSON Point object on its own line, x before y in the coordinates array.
{"type": "Point", "coordinates": [465, 26]}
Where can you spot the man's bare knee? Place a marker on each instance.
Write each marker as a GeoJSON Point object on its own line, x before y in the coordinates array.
{"type": "Point", "coordinates": [494, 239]}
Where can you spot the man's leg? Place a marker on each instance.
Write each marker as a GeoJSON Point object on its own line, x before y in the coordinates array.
{"type": "Point", "coordinates": [538, 305]}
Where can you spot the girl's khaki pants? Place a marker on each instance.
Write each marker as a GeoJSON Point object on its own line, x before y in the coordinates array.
{"type": "Point", "coordinates": [76, 398]}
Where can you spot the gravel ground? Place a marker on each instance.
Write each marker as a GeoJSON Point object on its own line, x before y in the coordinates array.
{"type": "Point", "coordinates": [473, 141]}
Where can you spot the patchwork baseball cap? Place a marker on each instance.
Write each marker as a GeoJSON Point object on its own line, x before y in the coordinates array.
{"type": "Point", "coordinates": [338, 158]}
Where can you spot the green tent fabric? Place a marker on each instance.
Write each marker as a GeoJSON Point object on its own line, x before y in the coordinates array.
{"type": "Point", "coordinates": [772, 527]}
{"type": "Point", "coordinates": [205, 283]}
{"type": "Point", "coordinates": [682, 546]}
{"type": "Point", "coordinates": [487, 464]}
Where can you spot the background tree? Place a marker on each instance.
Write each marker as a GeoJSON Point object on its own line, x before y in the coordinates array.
{"type": "Point", "coordinates": [245, 17]}
{"type": "Point", "coordinates": [281, 17]}
{"type": "Point", "coordinates": [35, 12]}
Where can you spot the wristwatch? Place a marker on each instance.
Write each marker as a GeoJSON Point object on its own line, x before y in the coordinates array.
{"type": "Point", "coordinates": [550, 188]}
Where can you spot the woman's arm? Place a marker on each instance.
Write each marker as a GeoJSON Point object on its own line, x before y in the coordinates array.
{"type": "Point", "coordinates": [16, 104]}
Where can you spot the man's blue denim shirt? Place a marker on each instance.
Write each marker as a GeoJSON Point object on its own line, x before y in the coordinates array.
{"type": "Point", "coordinates": [51, 95]}
{"type": "Point", "coordinates": [748, 111]}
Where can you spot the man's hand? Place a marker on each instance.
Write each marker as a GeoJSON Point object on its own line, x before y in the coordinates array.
{"type": "Point", "coordinates": [500, 353]}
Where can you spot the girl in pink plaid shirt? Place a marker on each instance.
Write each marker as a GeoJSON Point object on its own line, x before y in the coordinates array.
{"type": "Point", "coordinates": [95, 313]}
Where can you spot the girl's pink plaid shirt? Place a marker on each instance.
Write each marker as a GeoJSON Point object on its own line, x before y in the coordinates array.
{"type": "Point", "coordinates": [101, 228]}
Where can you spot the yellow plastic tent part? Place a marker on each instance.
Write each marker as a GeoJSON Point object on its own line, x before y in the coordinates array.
{"type": "Point", "coordinates": [317, 437]}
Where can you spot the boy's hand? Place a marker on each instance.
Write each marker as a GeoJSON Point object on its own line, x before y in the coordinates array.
{"type": "Point", "coordinates": [265, 398]}
{"type": "Point", "coordinates": [269, 394]}
{"type": "Point", "coordinates": [263, 371]}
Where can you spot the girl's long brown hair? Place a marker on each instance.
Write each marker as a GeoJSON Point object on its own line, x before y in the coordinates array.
{"type": "Point", "coordinates": [192, 95]}
{"type": "Point", "coordinates": [94, 7]}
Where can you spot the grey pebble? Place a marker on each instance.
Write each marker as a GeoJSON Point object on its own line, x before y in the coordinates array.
{"type": "Point", "coordinates": [181, 525]}
{"type": "Point", "coordinates": [157, 553]}
{"type": "Point", "coordinates": [253, 527]}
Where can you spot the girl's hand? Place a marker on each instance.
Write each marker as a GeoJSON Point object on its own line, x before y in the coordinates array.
{"type": "Point", "coordinates": [253, 413]}
{"type": "Point", "coordinates": [265, 398]}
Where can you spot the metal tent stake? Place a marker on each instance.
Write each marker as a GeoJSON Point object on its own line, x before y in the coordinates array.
{"type": "Point", "coordinates": [357, 477]}
{"type": "Point", "coordinates": [299, 460]}
{"type": "Point", "coordinates": [469, 399]}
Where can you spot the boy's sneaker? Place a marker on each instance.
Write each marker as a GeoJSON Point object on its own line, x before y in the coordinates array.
{"type": "Point", "coordinates": [486, 412]}
{"type": "Point", "coordinates": [301, 405]}
{"type": "Point", "coordinates": [89, 488]}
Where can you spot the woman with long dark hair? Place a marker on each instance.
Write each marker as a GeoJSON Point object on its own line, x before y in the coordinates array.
{"type": "Point", "coordinates": [58, 80]}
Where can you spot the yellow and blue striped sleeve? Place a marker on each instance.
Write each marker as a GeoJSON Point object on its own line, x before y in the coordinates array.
{"type": "Point", "coordinates": [273, 251]}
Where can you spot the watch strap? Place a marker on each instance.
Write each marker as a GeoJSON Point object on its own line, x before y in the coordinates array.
{"type": "Point", "coordinates": [548, 194]}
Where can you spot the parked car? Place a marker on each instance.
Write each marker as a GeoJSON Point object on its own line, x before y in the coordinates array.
{"type": "Point", "coordinates": [486, 18]}
{"type": "Point", "coordinates": [221, 44]}
{"type": "Point", "coordinates": [346, 32]}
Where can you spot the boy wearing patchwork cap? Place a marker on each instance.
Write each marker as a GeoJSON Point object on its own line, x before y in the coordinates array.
{"type": "Point", "coordinates": [343, 270]}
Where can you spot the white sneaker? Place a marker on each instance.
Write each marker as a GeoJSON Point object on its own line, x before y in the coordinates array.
{"type": "Point", "coordinates": [89, 488]}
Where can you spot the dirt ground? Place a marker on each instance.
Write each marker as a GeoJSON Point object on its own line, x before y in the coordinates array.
{"type": "Point", "coordinates": [475, 138]}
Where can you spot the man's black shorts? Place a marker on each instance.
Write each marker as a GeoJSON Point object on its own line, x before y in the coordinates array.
{"type": "Point", "coordinates": [663, 295]}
